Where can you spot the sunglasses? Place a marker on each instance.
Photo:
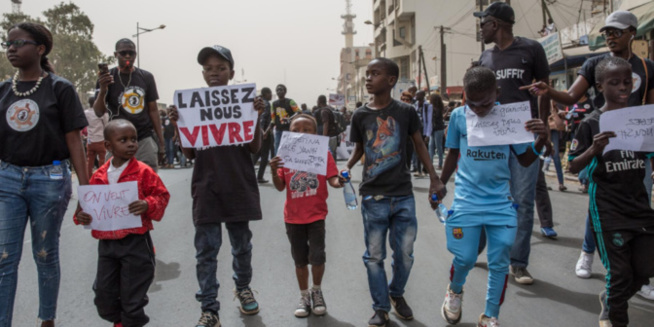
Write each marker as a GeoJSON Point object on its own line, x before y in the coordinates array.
{"type": "Point", "coordinates": [613, 33]}
{"type": "Point", "coordinates": [126, 53]}
{"type": "Point", "coordinates": [16, 43]}
{"type": "Point", "coordinates": [481, 24]}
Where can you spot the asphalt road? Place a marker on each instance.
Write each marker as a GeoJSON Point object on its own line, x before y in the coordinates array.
{"type": "Point", "coordinates": [557, 298]}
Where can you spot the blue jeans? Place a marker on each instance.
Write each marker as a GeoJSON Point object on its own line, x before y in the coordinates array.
{"type": "Point", "coordinates": [555, 156]}
{"type": "Point", "coordinates": [170, 150]}
{"type": "Point", "coordinates": [523, 190]}
{"type": "Point", "coordinates": [397, 217]}
{"type": "Point", "coordinates": [278, 137]}
{"type": "Point", "coordinates": [29, 194]}
{"type": "Point", "coordinates": [208, 239]}
{"type": "Point", "coordinates": [436, 143]}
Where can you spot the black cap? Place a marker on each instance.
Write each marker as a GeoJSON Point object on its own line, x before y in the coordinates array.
{"type": "Point", "coordinates": [499, 10]}
{"type": "Point", "coordinates": [221, 51]}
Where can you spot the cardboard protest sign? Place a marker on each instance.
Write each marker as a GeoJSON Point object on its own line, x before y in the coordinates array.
{"type": "Point", "coordinates": [504, 124]}
{"type": "Point", "coordinates": [633, 127]}
{"type": "Point", "coordinates": [108, 205]}
{"type": "Point", "coordinates": [304, 152]}
{"type": "Point", "coordinates": [215, 116]}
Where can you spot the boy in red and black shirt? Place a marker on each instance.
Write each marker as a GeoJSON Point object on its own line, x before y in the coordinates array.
{"type": "Point", "coordinates": [121, 294]}
{"type": "Point", "coordinates": [304, 214]}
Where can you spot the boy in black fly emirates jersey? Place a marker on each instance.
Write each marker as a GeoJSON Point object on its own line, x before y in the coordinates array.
{"type": "Point", "coordinates": [622, 219]}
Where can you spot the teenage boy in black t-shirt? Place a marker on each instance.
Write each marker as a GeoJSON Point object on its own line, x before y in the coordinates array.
{"type": "Point", "coordinates": [381, 129]}
{"type": "Point", "coordinates": [622, 219]}
{"type": "Point", "coordinates": [224, 190]}
{"type": "Point", "coordinates": [128, 92]}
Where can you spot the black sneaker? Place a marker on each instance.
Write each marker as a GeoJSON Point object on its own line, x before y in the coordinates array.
{"type": "Point", "coordinates": [380, 319]}
{"type": "Point", "coordinates": [208, 319]}
{"type": "Point", "coordinates": [304, 306]}
{"type": "Point", "coordinates": [402, 309]}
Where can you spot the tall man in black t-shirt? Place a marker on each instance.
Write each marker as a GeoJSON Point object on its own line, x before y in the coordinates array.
{"type": "Point", "coordinates": [127, 92]}
{"type": "Point", "coordinates": [267, 138]}
{"type": "Point", "coordinates": [516, 62]}
{"type": "Point", "coordinates": [283, 109]}
{"type": "Point", "coordinates": [326, 121]}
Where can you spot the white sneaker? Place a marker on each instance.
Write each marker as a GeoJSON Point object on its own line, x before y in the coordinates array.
{"type": "Point", "coordinates": [488, 321]}
{"type": "Point", "coordinates": [647, 292]}
{"type": "Point", "coordinates": [451, 309]}
{"type": "Point", "coordinates": [584, 267]}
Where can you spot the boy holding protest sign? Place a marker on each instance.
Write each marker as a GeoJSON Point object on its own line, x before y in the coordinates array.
{"type": "Point", "coordinates": [622, 219]}
{"type": "Point", "coordinates": [304, 214]}
{"type": "Point", "coordinates": [224, 190]}
{"type": "Point", "coordinates": [482, 197]}
{"type": "Point", "coordinates": [121, 294]}
{"type": "Point", "coordinates": [382, 128]}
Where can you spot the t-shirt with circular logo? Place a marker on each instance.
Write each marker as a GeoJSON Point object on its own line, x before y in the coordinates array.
{"type": "Point", "coordinates": [33, 128]}
{"type": "Point", "coordinates": [128, 98]}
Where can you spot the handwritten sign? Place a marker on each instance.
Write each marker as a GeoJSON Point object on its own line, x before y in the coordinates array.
{"type": "Point", "coordinates": [216, 116]}
{"type": "Point", "coordinates": [633, 127]}
{"type": "Point", "coordinates": [504, 124]}
{"type": "Point", "coordinates": [108, 205]}
{"type": "Point", "coordinates": [304, 152]}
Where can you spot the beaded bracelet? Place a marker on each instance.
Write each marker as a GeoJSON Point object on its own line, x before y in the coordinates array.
{"type": "Point", "coordinates": [533, 148]}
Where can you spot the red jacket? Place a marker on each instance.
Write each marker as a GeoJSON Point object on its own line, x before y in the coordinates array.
{"type": "Point", "coordinates": [151, 189]}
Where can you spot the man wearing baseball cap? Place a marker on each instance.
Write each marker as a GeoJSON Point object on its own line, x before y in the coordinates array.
{"type": "Point", "coordinates": [516, 61]}
{"type": "Point", "coordinates": [224, 190]}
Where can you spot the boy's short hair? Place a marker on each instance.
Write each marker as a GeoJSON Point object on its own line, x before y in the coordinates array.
{"type": "Point", "coordinates": [309, 117]}
{"type": "Point", "coordinates": [391, 66]}
{"type": "Point", "coordinates": [125, 41]}
{"type": "Point", "coordinates": [112, 125]}
{"type": "Point", "coordinates": [479, 79]}
{"type": "Point", "coordinates": [322, 99]}
{"type": "Point", "coordinates": [266, 90]}
{"type": "Point", "coordinates": [91, 101]}
{"type": "Point", "coordinates": [282, 85]}
{"type": "Point", "coordinates": [607, 62]}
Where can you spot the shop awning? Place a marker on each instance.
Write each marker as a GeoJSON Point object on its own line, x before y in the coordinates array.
{"type": "Point", "coordinates": [575, 57]}
{"type": "Point", "coordinates": [645, 15]}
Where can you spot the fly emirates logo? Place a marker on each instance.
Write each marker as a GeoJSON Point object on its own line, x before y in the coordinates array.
{"type": "Point", "coordinates": [628, 162]}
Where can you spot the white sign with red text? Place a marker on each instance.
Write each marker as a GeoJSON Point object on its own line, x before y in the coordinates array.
{"type": "Point", "coordinates": [108, 205]}
{"type": "Point", "coordinates": [216, 116]}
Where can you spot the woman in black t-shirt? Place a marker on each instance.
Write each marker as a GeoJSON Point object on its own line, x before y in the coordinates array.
{"type": "Point", "coordinates": [40, 122]}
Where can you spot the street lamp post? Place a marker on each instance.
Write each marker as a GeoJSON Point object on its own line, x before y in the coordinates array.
{"type": "Point", "coordinates": [139, 31]}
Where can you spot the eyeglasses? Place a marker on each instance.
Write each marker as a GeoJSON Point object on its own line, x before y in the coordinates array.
{"type": "Point", "coordinates": [613, 33]}
{"type": "Point", "coordinates": [16, 43]}
{"type": "Point", "coordinates": [126, 53]}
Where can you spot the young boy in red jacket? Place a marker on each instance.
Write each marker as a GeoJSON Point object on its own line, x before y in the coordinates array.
{"type": "Point", "coordinates": [126, 257]}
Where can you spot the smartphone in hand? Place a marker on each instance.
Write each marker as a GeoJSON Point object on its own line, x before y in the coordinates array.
{"type": "Point", "coordinates": [103, 68]}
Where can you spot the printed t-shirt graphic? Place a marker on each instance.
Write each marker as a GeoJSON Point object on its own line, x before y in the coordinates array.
{"type": "Point", "coordinates": [133, 99]}
{"type": "Point", "coordinates": [385, 149]}
{"type": "Point", "coordinates": [23, 115]}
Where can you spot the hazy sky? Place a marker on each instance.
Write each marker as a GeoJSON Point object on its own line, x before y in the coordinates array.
{"type": "Point", "coordinates": [295, 42]}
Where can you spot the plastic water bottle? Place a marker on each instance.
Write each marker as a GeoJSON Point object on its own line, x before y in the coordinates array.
{"type": "Point", "coordinates": [441, 212]}
{"type": "Point", "coordinates": [348, 192]}
{"type": "Point", "coordinates": [56, 172]}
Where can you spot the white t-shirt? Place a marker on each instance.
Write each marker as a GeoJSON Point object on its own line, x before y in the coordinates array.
{"type": "Point", "coordinates": [113, 173]}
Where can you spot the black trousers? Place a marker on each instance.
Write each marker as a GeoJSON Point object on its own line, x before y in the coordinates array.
{"type": "Point", "coordinates": [264, 153]}
{"type": "Point", "coordinates": [627, 257]}
{"type": "Point", "coordinates": [125, 272]}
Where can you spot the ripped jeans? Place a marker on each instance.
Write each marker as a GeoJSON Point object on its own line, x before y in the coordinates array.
{"type": "Point", "coordinates": [395, 216]}
{"type": "Point", "coordinates": [31, 194]}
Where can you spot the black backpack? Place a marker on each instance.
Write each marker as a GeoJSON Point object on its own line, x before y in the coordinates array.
{"type": "Point", "coordinates": [337, 125]}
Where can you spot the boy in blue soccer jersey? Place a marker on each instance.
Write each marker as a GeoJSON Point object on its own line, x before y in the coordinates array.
{"type": "Point", "coordinates": [482, 198]}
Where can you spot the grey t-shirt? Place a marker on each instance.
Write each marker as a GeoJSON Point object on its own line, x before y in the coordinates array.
{"type": "Point", "coordinates": [518, 65]}
{"type": "Point", "coordinates": [384, 134]}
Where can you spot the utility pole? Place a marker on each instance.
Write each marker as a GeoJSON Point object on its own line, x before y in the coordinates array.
{"type": "Point", "coordinates": [443, 64]}
{"type": "Point", "coordinates": [481, 8]}
{"type": "Point", "coordinates": [424, 67]}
